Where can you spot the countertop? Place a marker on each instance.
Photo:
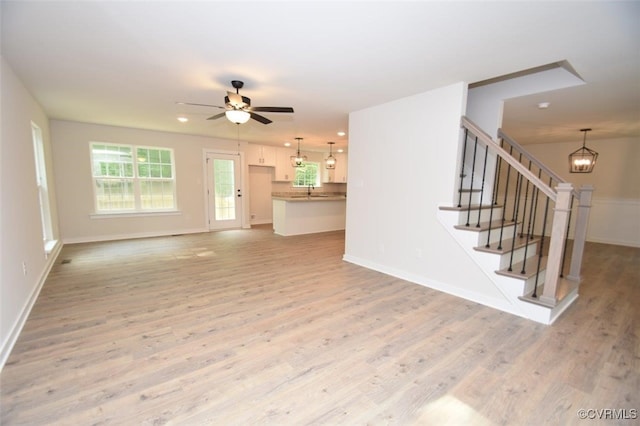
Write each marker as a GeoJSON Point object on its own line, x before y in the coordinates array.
{"type": "Point", "coordinates": [305, 197]}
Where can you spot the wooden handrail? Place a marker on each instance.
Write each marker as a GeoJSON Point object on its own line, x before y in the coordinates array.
{"type": "Point", "coordinates": [534, 160]}
{"type": "Point", "coordinates": [524, 171]}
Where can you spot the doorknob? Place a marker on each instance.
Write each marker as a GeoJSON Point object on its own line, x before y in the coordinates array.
{"type": "Point", "coordinates": [239, 194]}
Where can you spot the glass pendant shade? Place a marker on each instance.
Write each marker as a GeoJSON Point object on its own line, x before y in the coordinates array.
{"type": "Point", "coordinates": [583, 160]}
{"type": "Point", "coordinates": [298, 160]}
{"type": "Point", "coordinates": [330, 161]}
{"type": "Point", "coordinates": [237, 116]}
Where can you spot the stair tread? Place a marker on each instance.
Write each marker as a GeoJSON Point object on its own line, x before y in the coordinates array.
{"type": "Point", "coordinates": [465, 208]}
{"type": "Point", "coordinates": [506, 245]}
{"type": "Point", "coordinates": [485, 225]}
{"type": "Point", "coordinates": [531, 269]}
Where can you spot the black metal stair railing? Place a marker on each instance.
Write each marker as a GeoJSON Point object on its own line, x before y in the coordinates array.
{"type": "Point", "coordinates": [520, 181]}
{"type": "Point", "coordinates": [553, 179]}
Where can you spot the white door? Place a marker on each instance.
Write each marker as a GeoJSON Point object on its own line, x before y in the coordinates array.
{"type": "Point", "coordinates": [224, 194]}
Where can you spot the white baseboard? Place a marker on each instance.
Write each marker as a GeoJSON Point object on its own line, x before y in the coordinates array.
{"type": "Point", "coordinates": [500, 305]}
{"type": "Point", "coordinates": [261, 221]}
{"type": "Point", "coordinates": [113, 237]}
{"type": "Point", "coordinates": [14, 333]}
{"type": "Point", "coordinates": [615, 242]}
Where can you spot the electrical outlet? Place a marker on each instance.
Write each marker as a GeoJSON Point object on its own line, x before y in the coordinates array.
{"type": "Point", "coordinates": [24, 268]}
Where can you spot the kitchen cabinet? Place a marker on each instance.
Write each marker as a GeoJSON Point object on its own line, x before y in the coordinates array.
{"type": "Point", "coordinates": [284, 171]}
{"type": "Point", "coordinates": [339, 174]}
{"type": "Point", "coordinates": [260, 155]}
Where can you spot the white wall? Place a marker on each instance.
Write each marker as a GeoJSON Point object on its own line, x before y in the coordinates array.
{"type": "Point", "coordinates": [616, 196]}
{"type": "Point", "coordinates": [70, 141]}
{"type": "Point", "coordinates": [260, 194]}
{"type": "Point", "coordinates": [20, 230]}
{"type": "Point", "coordinates": [402, 165]}
{"type": "Point", "coordinates": [486, 102]}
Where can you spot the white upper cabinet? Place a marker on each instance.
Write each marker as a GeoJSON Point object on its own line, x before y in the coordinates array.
{"type": "Point", "coordinates": [284, 171]}
{"type": "Point", "coordinates": [337, 175]}
{"type": "Point", "coordinates": [260, 155]}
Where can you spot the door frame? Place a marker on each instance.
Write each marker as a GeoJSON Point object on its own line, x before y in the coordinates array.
{"type": "Point", "coordinates": [243, 186]}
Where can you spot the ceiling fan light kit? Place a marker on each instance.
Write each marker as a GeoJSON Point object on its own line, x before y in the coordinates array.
{"type": "Point", "coordinates": [238, 109]}
{"type": "Point", "coordinates": [583, 160]}
{"type": "Point", "coordinates": [237, 116]}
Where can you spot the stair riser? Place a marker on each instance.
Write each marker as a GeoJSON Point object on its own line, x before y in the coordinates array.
{"type": "Point", "coordinates": [495, 235]}
{"type": "Point", "coordinates": [518, 256]}
{"type": "Point", "coordinates": [474, 197]}
{"type": "Point", "coordinates": [527, 284]}
{"type": "Point", "coordinates": [485, 215]}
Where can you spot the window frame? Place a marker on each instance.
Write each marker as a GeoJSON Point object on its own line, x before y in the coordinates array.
{"type": "Point", "coordinates": [318, 181]}
{"type": "Point", "coordinates": [136, 181]}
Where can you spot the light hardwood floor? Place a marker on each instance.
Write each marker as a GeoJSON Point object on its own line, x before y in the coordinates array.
{"type": "Point", "coordinates": [245, 327]}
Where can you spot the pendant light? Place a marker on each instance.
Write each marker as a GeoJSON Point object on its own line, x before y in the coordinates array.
{"type": "Point", "coordinates": [584, 159]}
{"type": "Point", "coordinates": [330, 161]}
{"type": "Point", "coordinates": [298, 160]}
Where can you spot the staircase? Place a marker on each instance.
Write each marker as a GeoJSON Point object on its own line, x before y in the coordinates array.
{"type": "Point", "coordinates": [513, 218]}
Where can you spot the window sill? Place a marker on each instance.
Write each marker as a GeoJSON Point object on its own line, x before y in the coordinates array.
{"type": "Point", "coordinates": [49, 245]}
{"type": "Point", "coordinates": [112, 215]}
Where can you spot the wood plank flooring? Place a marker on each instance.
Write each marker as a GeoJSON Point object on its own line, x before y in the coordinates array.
{"type": "Point", "coordinates": [245, 327]}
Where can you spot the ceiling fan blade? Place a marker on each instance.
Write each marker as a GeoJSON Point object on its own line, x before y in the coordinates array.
{"type": "Point", "coordinates": [258, 117]}
{"type": "Point", "coordinates": [204, 105]}
{"type": "Point", "coordinates": [215, 117]}
{"type": "Point", "coordinates": [272, 109]}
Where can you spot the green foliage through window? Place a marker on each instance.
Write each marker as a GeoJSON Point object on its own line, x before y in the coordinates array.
{"type": "Point", "coordinates": [307, 175]}
{"type": "Point", "coordinates": [119, 188]}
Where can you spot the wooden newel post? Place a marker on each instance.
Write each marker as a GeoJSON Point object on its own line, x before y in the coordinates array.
{"type": "Point", "coordinates": [580, 234]}
{"type": "Point", "coordinates": [556, 245]}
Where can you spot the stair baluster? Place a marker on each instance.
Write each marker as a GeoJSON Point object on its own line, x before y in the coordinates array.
{"type": "Point", "coordinates": [524, 209]}
{"type": "Point", "coordinates": [504, 204]}
{"type": "Point", "coordinates": [473, 171]}
{"type": "Point", "coordinates": [516, 206]}
{"type": "Point", "coordinates": [532, 224]}
{"type": "Point", "coordinates": [484, 173]}
{"type": "Point", "coordinates": [464, 153]}
{"type": "Point", "coordinates": [544, 229]}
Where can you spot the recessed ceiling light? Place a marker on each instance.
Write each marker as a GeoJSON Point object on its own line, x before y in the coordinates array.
{"type": "Point", "coordinates": [340, 150]}
{"type": "Point", "coordinates": [183, 119]}
{"type": "Point", "coordinates": [287, 144]}
{"type": "Point", "coordinates": [544, 105]}
{"type": "Point", "coordinates": [341, 133]}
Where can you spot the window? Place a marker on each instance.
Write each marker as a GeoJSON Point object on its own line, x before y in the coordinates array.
{"type": "Point", "coordinates": [43, 192]}
{"type": "Point", "coordinates": [129, 179]}
{"type": "Point", "coordinates": [307, 175]}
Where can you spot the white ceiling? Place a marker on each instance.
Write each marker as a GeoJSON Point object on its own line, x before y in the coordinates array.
{"type": "Point", "coordinates": [127, 63]}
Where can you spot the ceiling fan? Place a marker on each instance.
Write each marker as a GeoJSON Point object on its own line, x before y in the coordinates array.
{"type": "Point", "coordinates": [238, 108]}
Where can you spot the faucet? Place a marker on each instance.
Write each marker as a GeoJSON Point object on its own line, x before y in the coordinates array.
{"type": "Point", "coordinates": [309, 188]}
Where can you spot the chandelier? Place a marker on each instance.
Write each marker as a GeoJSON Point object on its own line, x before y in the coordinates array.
{"type": "Point", "coordinates": [583, 160]}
